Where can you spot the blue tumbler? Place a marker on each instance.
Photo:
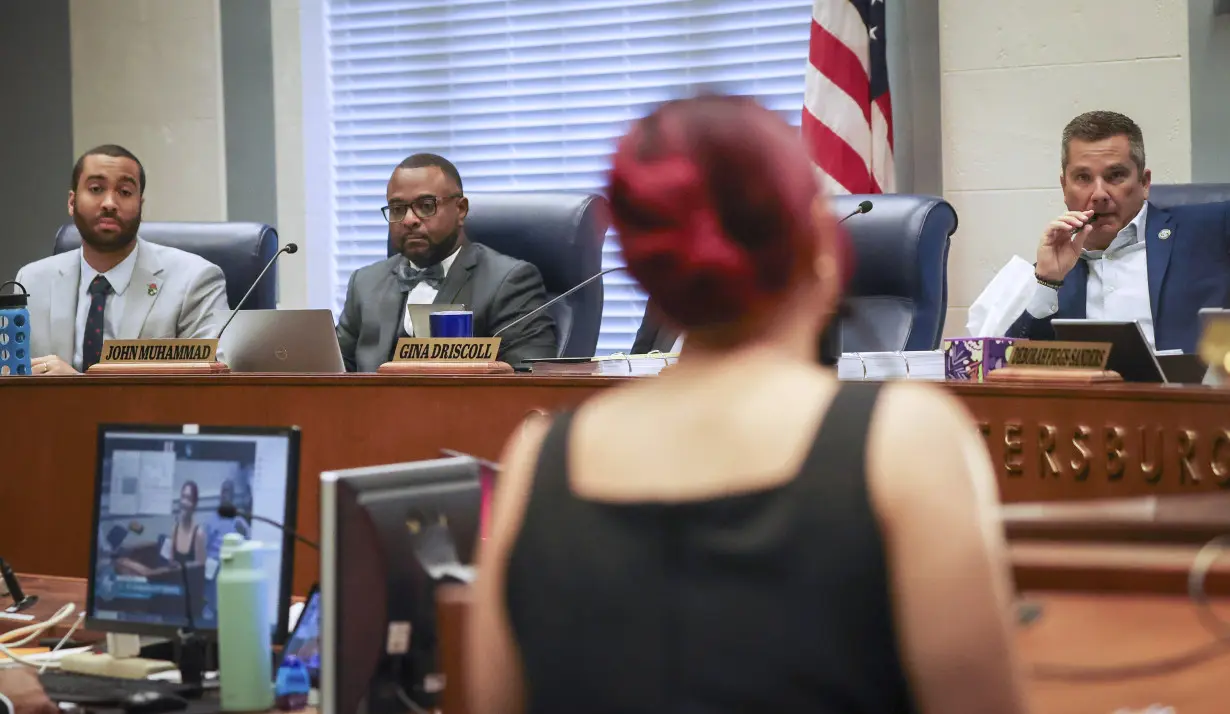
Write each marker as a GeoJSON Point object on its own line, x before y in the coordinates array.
{"type": "Point", "coordinates": [452, 323]}
{"type": "Point", "coordinates": [14, 331]}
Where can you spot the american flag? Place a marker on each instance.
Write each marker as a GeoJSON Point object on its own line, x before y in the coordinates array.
{"type": "Point", "coordinates": [847, 112]}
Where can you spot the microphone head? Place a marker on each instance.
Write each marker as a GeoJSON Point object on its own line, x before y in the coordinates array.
{"type": "Point", "coordinates": [228, 510]}
{"type": "Point", "coordinates": [294, 248]}
{"type": "Point", "coordinates": [864, 207]}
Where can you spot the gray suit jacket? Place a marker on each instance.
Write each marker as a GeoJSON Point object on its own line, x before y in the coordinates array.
{"type": "Point", "coordinates": [497, 288]}
{"type": "Point", "coordinates": [189, 298]}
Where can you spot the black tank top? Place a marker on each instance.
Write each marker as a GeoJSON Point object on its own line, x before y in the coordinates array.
{"type": "Point", "coordinates": [770, 601]}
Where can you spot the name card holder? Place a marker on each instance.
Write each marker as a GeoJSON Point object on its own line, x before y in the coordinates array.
{"type": "Point", "coordinates": [1031, 361]}
{"type": "Point", "coordinates": [446, 356]}
{"type": "Point", "coordinates": [159, 357]}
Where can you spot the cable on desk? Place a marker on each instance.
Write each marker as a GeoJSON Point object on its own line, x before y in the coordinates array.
{"type": "Point", "coordinates": [30, 632]}
{"type": "Point", "coordinates": [1205, 558]}
{"type": "Point", "coordinates": [1220, 645]}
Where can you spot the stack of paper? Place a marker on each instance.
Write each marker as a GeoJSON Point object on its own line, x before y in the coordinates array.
{"type": "Point", "coordinates": [877, 366]}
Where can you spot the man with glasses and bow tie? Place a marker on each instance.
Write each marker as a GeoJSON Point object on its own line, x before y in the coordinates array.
{"type": "Point", "coordinates": [435, 263]}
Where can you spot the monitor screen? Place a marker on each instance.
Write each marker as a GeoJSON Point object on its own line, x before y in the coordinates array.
{"type": "Point", "coordinates": [304, 642]}
{"type": "Point", "coordinates": [156, 525]}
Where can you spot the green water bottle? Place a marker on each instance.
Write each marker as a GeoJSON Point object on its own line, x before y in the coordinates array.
{"type": "Point", "coordinates": [245, 659]}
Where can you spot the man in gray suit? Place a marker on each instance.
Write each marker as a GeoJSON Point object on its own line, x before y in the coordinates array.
{"type": "Point", "coordinates": [115, 286]}
{"type": "Point", "coordinates": [426, 213]}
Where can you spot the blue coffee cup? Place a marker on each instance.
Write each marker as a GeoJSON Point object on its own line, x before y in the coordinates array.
{"type": "Point", "coordinates": [452, 323]}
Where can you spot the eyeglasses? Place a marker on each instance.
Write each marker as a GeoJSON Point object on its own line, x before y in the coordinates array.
{"type": "Point", "coordinates": [423, 207]}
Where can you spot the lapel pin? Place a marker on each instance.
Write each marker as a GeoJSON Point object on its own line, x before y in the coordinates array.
{"type": "Point", "coordinates": [152, 289]}
{"type": "Point", "coordinates": [1164, 233]}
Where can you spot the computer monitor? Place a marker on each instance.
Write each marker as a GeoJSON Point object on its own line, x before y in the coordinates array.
{"type": "Point", "coordinates": [389, 535]}
{"type": "Point", "coordinates": [156, 495]}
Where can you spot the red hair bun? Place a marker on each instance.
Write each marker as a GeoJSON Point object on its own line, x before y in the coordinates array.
{"type": "Point", "coordinates": [712, 198]}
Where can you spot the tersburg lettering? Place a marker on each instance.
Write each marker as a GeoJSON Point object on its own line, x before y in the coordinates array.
{"type": "Point", "coordinates": [1047, 464]}
{"type": "Point", "coordinates": [1080, 463]}
{"type": "Point", "coordinates": [1151, 468]}
{"type": "Point", "coordinates": [1114, 453]}
{"type": "Point", "coordinates": [1013, 460]}
{"type": "Point", "coordinates": [1187, 451]}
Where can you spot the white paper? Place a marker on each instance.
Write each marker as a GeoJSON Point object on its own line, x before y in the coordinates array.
{"type": "Point", "coordinates": [1003, 300]}
{"type": "Point", "coordinates": [879, 366]}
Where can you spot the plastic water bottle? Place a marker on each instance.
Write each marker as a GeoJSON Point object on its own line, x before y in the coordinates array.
{"type": "Point", "coordinates": [14, 331]}
{"type": "Point", "coordinates": [294, 685]}
{"type": "Point", "coordinates": [245, 658]}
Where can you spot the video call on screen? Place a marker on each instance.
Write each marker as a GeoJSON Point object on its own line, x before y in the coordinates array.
{"type": "Point", "coordinates": [158, 522]}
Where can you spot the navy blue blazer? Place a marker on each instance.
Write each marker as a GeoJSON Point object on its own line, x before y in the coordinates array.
{"type": "Point", "coordinates": [1188, 270]}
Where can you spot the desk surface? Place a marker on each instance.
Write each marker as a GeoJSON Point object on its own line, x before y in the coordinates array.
{"type": "Point", "coordinates": [1118, 631]}
{"type": "Point", "coordinates": [1047, 442]}
{"type": "Point", "coordinates": [1074, 630]}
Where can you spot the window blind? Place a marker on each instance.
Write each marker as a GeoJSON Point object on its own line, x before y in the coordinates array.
{"type": "Point", "coordinates": [530, 95]}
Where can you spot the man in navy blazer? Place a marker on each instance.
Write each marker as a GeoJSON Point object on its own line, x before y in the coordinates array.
{"type": "Point", "coordinates": [1114, 255]}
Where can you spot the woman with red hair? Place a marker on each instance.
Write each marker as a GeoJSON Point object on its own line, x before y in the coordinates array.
{"type": "Point", "coordinates": [743, 533]}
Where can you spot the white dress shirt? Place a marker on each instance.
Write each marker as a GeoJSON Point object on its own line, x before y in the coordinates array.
{"type": "Point", "coordinates": [1118, 285]}
{"type": "Point", "coordinates": [424, 294]}
{"type": "Point", "coordinates": [113, 309]}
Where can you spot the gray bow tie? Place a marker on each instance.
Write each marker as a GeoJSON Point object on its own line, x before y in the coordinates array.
{"type": "Point", "coordinates": [409, 276]}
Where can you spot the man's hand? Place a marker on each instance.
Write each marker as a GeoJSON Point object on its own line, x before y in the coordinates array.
{"type": "Point", "coordinates": [21, 686]}
{"type": "Point", "coordinates": [1059, 250]}
{"type": "Point", "coordinates": [50, 365]}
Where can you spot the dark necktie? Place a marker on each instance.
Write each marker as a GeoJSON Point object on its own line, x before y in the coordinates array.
{"type": "Point", "coordinates": [91, 345]}
{"type": "Point", "coordinates": [409, 276]}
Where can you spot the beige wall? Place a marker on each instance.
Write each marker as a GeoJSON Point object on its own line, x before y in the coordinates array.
{"type": "Point", "coordinates": [1013, 72]}
{"type": "Point", "coordinates": [288, 127]}
{"type": "Point", "coordinates": [147, 74]}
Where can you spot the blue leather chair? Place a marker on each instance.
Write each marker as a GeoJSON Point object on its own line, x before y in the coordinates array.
{"type": "Point", "coordinates": [562, 235]}
{"type": "Point", "coordinates": [1167, 195]}
{"type": "Point", "coordinates": [899, 294]}
{"type": "Point", "coordinates": [240, 249]}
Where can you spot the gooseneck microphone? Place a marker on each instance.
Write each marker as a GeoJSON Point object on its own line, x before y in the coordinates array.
{"type": "Point", "coordinates": [864, 207]}
{"type": "Point", "coordinates": [229, 511]}
{"type": "Point", "coordinates": [830, 339]}
{"type": "Point", "coordinates": [192, 647]}
{"type": "Point", "coordinates": [288, 249]}
{"type": "Point", "coordinates": [21, 601]}
{"type": "Point", "coordinates": [557, 298]}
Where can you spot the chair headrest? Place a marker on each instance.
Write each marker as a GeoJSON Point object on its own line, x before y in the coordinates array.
{"type": "Point", "coordinates": [239, 249]}
{"type": "Point", "coordinates": [560, 233]}
{"type": "Point", "coordinates": [901, 238]}
{"type": "Point", "coordinates": [1167, 195]}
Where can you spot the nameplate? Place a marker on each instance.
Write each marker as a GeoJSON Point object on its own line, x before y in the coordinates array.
{"type": "Point", "coordinates": [1059, 355]}
{"type": "Point", "coordinates": [166, 350]}
{"type": "Point", "coordinates": [447, 349]}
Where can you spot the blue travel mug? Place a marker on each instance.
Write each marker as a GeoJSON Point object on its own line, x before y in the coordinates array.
{"type": "Point", "coordinates": [14, 331]}
{"type": "Point", "coordinates": [452, 323]}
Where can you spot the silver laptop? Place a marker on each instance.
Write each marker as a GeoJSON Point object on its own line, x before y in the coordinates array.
{"type": "Point", "coordinates": [287, 341]}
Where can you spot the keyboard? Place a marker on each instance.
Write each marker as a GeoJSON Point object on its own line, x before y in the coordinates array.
{"type": "Point", "coordinates": [89, 689]}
